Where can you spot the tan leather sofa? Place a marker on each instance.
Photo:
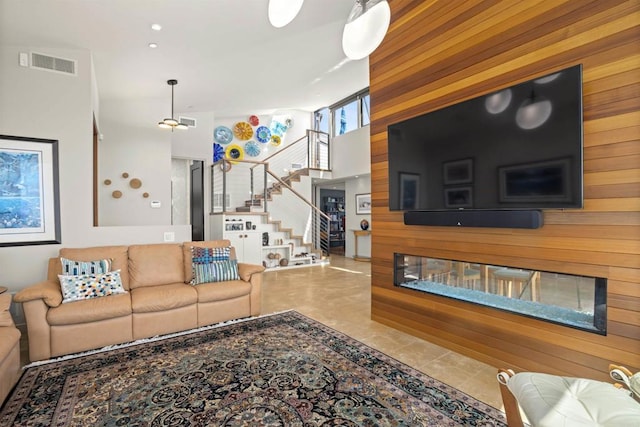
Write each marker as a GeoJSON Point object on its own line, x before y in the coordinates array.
{"type": "Point", "coordinates": [159, 300]}
{"type": "Point", "coordinates": [9, 349]}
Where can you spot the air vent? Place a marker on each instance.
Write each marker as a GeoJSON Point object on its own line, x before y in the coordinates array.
{"type": "Point", "coordinates": [188, 121]}
{"type": "Point", "coordinates": [51, 63]}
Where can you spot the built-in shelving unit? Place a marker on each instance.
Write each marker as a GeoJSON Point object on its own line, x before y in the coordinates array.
{"type": "Point", "coordinates": [334, 207]}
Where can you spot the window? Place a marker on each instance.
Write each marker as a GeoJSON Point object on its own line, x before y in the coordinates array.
{"type": "Point", "coordinates": [344, 116]}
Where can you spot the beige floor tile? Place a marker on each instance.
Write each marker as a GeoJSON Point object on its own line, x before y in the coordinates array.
{"type": "Point", "coordinates": [339, 296]}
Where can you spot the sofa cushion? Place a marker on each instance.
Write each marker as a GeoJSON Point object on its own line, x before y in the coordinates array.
{"type": "Point", "coordinates": [5, 315]}
{"type": "Point", "coordinates": [186, 250]}
{"type": "Point", "coordinates": [155, 264]}
{"type": "Point", "coordinates": [86, 286]}
{"type": "Point", "coordinates": [118, 255]}
{"type": "Point", "coordinates": [217, 271]}
{"type": "Point", "coordinates": [9, 338]}
{"type": "Point", "coordinates": [90, 310]}
{"type": "Point", "coordinates": [72, 267]}
{"type": "Point", "coordinates": [163, 297]}
{"type": "Point", "coordinates": [208, 292]}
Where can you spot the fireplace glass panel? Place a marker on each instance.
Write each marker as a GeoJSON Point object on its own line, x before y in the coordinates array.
{"type": "Point", "coordinates": [571, 300]}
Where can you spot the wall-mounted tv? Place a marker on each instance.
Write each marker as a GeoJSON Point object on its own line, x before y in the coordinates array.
{"type": "Point", "coordinates": [518, 148]}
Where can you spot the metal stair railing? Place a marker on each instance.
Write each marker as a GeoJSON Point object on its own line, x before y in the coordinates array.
{"type": "Point", "coordinates": [311, 225]}
{"type": "Point", "coordinates": [308, 152]}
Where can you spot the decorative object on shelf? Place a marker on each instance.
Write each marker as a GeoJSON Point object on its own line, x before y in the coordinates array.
{"type": "Point", "coordinates": [218, 152]}
{"type": "Point", "coordinates": [276, 140]}
{"type": "Point", "coordinates": [125, 175]}
{"type": "Point", "coordinates": [248, 225]}
{"type": "Point", "coordinates": [107, 182]}
{"type": "Point", "coordinates": [254, 120]}
{"type": "Point", "coordinates": [222, 135]}
{"type": "Point", "coordinates": [243, 131]}
{"type": "Point", "coordinates": [225, 166]}
{"type": "Point", "coordinates": [253, 227]}
{"type": "Point", "coordinates": [252, 149]}
{"type": "Point", "coordinates": [265, 239]}
{"type": "Point", "coordinates": [145, 195]}
{"type": "Point", "coordinates": [364, 224]}
{"type": "Point", "coordinates": [171, 122]}
{"type": "Point", "coordinates": [234, 152]}
{"type": "Point", "coordinates": [135, 183]}
{"type": "Point", "coordinates": [366, 27]}
{"type": "Point", "coordinates": [263, 134]}
{"type": "Point", "coordinates": [363, 204]}
{"type": "Point", "coordinates": [116, 194]}
{"type": "Point", "coordinates": [284, 262]}
{"type": "Point", "coordinates": [281, 12]}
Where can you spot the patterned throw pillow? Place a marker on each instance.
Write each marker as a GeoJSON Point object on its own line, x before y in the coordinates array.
{"type": "Point", "coordinates": [206, 255]}
{"type": "Point", "coordinates": [86, 286]}
{"type": "Point", "coordinates": [216, 271]}
{"type": "Point", "coordinates": [77, 268]}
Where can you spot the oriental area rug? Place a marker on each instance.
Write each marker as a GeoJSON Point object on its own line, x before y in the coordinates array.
{"type": "Point", "coordinates": [283, 369]}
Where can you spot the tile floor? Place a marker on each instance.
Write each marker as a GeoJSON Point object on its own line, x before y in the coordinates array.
{"type": "Point", "coordinates": [339, 296]}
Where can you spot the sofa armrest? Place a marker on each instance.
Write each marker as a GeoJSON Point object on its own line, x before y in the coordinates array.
{"type": "Point", "coordinates": [48, 291]}
{"type": "Point", "coordinates": [247, 270]}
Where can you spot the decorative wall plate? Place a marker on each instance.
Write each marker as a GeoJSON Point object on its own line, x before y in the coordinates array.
{"type": "Point", "coordinates": [218, 151]}
{"type": "Point", "coordinates": [276, 140]}
{"type": "Point", "coordinates": [222, 135]}
{"type": "Point", "coordinates": [125, 175]}
{"type": "Point", "coordinates": [278, 128]}
{"type": "Point", "coordinates": [254, 120]}
{"type": "Point", "coordinates": [252, 149]}
{"type": "Point", "coordinates": [243, 131]}
{"type": "Point", "coordinates": [107, 182]}
{"type": "Point", "coordinates": [116, 194]}
{"type": "Point", "coordinates": [263, 134]}
{"type": "Point", "coordinates": [135, 183]}
{"type": "Point", "coordinates": [234, 152]}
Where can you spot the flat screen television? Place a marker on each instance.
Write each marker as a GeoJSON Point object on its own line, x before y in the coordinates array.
{"type": "Point", "coordinates": [518, 148]}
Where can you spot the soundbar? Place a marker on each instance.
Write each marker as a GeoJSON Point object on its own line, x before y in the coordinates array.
{"type": "Point", "coordinates": [480, 218]}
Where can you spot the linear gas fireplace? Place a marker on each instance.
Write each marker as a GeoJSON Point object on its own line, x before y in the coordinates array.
{"type": "Point", "coordinates": [571, 300]}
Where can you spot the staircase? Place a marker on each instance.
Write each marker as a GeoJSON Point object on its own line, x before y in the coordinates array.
{"type": "Point", "coordinates": [299, 228]}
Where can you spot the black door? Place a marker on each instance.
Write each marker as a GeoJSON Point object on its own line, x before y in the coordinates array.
{"type": "Point", "coordinates": [197, 200]}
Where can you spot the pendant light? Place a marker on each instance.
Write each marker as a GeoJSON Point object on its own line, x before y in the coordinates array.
{"type": "Point", "coordinates": [365, 28]}
{"type": "Point", "coordinates": [281, 12]}
{"type": "Point", "coordinates": [172, 123]}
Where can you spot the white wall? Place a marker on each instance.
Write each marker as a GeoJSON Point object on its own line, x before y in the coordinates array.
{"type": "Point", "coordinates": [361, 185]}
{"type": "Point", "coordinates": [42, 104]}
{"type": "Point", "coordinates": [351, 154]}
{"type": "Point", "coordinates": [132, 143]}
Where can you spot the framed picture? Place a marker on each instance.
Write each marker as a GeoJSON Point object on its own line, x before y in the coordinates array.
{"type": "Point", "coordinates": [460, 197]}
{"type": "Point", "coordinates": [409, 190]}
{"type": "Point", "coordinates": [547, 181]}
{"type": "Point", "coordinates": [458, 172]}
{"type": "Point", "coordinates": [29, 192]}
{"type": "Point", "coordinates": [363, 204]}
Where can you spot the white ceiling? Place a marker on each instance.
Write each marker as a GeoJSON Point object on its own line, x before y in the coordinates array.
{"type": "Point", "coordinates": [226, 56]}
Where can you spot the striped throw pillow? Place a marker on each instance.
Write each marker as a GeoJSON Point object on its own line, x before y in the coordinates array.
{"type": "Point", "coordinates": [77, 268]}
{"type": "Point", "coordinates": [216, 271]}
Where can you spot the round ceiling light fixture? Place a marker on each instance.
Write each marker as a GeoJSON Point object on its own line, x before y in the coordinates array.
{"type": "Point", "coordinates": [282, 12]}
{"type": "Point", "coordinates": [366, 27]}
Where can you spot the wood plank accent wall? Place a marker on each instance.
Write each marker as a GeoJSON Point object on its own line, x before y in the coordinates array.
{"type": "Point", "coordinates": [441, 52]}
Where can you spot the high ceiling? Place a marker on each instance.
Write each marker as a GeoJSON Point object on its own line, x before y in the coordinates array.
{"type": "Point", "coordinates": [225, 55]}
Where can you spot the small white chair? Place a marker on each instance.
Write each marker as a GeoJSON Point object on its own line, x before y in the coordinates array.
{"type": "Point", "coordinates": [555, 401]}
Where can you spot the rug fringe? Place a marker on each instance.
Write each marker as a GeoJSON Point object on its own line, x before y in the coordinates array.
{"type": "Point", "coordinates": [151, 339]}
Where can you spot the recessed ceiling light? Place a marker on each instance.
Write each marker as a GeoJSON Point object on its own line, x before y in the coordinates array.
{"type": "Point", "coordinates": [153, 45]}
{"type": "Point", "coordinates": [156, 27]}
